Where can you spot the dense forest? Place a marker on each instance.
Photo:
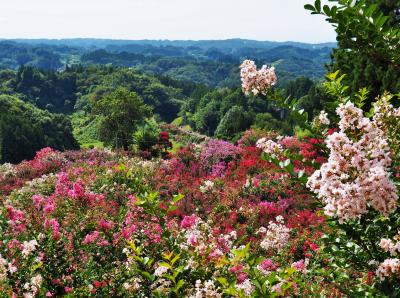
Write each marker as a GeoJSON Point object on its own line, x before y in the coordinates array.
{"type": "Point", "coordinates": [207, 62]}
{"type": "Point", "coordinates": [190, 84]}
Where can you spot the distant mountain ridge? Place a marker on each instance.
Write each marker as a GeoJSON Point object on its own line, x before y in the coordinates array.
{"type": "Point", "coordinates": [223, 43]}
{"type": "Point", "coordinates": [210, 62]}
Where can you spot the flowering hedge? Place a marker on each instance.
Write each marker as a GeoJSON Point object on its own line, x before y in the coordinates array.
{"type": "Point", "coordinates": [101, 224]}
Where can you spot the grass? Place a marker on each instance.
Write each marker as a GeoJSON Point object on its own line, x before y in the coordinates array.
{"type": "Point", "coordinates": [94, 144]}
{"type": "Point", "coordinates": [85, 130]}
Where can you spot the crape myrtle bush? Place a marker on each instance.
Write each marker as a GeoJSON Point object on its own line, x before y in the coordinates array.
{"type": "Point", "coordinates": [213, 221]}
{"type": "Point", "coordinates": [357, 183]}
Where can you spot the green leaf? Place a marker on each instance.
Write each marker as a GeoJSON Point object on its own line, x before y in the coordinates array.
{"type": "Point", "coordinates": [309, 7]}
{"type": "Point", "coordinates": [146, 275]}
{"type": "Point", "coordinates": [177, 198]}
{"type": "Point", "coordinates": [223, 281]}
{"type": "Point", "coordinates": [164, 264]}
{"type": "Point", "coordinates": [176, 258]}
{"type": "Point", "coordinates": [317, 5]}
{"type": "Point", "coordinates": [180, 284]}
{"type": "Point", "coordinates": [327, 10]}
{"type": "Point", "coordinates": [36, 266]}
{"type": "Point", "coordinates": [172, 208]}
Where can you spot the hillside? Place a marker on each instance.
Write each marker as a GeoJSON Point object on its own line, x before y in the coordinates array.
{"type": "Point", "coordinates": [209, 62]}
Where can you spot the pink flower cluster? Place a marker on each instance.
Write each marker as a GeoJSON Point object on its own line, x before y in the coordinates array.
{"type": "Point", "coordinates": [388, 245]}
{"type": "Point", "coordinates": [256, 81]}
{"type": "Point", "coordinates": [301, 265]}
{"type": "Point", "coordinates": [356, 174]}
{"type": "Point", "coordinates": [388, 268]}
{"type": "Point", "coordinates": [267, 266]}
{"type": "Point", "coordinates": [276, 236]}
{"type": "Point", "coordinates": [269, 146]}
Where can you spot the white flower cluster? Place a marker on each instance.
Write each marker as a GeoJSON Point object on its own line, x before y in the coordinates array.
{"type": "Point", "coordinates": [322, 119]}
{"type": "Point", "coordinates": [388, 268]}
{"type": "Point", "coordinates": [134, 285]}
{"type": "Point", "coordinates": [384, 110]}
{"type": "Point", "coordinates": [207, 186]}
{"type": "Point", "coordinates": [256, 81]}
{"type": "Point", "coordinates": [277, 235]}
{"type": "Point", "coordinates": [3, 269]}
{"type": "Point", "coordinates": [389, 246]}
{"type": "Point", "coordinates": [246, 286]}
{"type": "Point", "coordinates": [160, 270]}
{"type": "Point", "coordinates": [162, 286]}
{"type": "Point", "coordinates": [7, 170]}
{"type": "Point", "coordinates": [33, 287]}
{"type": "Point", "coordinates": [356, 174]}
{"type": "Point", "coordinates": [269, 146]}
{"type": "Point", "coordinates": [29, 247]}
{"type": "Point", "coordinates": [205, 289]}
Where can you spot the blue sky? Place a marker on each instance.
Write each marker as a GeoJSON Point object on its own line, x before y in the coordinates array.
{"type": "Point", "coordinates": [278, 20]}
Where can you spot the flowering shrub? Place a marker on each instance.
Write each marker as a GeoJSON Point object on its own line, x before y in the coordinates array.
{"type": "Point", "coordinates": [137, 236]}
{"type": "Point", "coordinates": [13, 176]}
{"type": "Point", "coordinates": [357, 172]}
{"type": "Point", "coordinates": [256, 81]}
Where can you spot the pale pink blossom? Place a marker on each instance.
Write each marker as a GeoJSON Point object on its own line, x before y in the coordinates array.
{"type": "Point", "coordinates": [256, 81]}
{"type": "Point", "coordinates": [269, 146]}
{"type": "Point", "coordinates": [388, 268]}
{"type": "Point", "coordinates": [356, 175]}
{"type": "Point", "coordinates": [277, 235]}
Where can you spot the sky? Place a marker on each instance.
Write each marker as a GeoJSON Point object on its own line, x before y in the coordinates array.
{"type": "Point", "coordinates": [275, 20]}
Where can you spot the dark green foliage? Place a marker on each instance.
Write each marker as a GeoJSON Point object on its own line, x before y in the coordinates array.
{"type": "Point", "coordinates": [25, 129]}
{"type": "Point", "coordinates": [266, 121]}
{"type": "Point", "coordinates": [147, 135]}
{"type": "Point", "coordinates": [120, 113]}
{"type": "Point", "coordinates": [213, 63]}
{"type": "Point", "coordinates": [94, 82]}
{"type": "Point", "coordinates": [217, 67]}
{"type": "Point", "coordinates": [368, 34]}
{"type": "Point", "coordinates": [311, 96]}
{"type": "Point", "coordinates": [13, 55]}
{"type": "Point", "coordinates": [235, 121]}
{"type": "Point", "coordinates": [226, 113]}
{"type": "Point", "coordinates": [55, 92]}
{"type": "Point", "coordinates": [174, 80]}
{"type": "Point", "coordinates": [299, 87]}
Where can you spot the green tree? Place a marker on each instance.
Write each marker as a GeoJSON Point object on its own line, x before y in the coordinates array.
{"type": "Point", "coordinates": [368, 35]}
{"type": "Point", "coordinates": [234, 122]}
{"type": "Point", "coordinates": [266, 121]}
{"type": "Point", "coordinates": [120, 113]}
{"type": "Point", "coordinates": [25, 129]}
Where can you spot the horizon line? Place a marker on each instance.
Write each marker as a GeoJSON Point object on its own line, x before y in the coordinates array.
{"type": "Point", "coordinates": [161, 39]}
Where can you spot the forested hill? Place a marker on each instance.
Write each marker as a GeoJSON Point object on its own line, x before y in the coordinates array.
{"type": "Point", "coordinates": [221, 44]}
{"type": "Point", "coordinates": [212, 62]}
{"type": "Point", "coordinates": [60, 88]}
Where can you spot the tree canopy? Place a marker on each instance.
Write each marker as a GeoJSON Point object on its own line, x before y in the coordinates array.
{"type": "Point", "coordinates": [120, 113]}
